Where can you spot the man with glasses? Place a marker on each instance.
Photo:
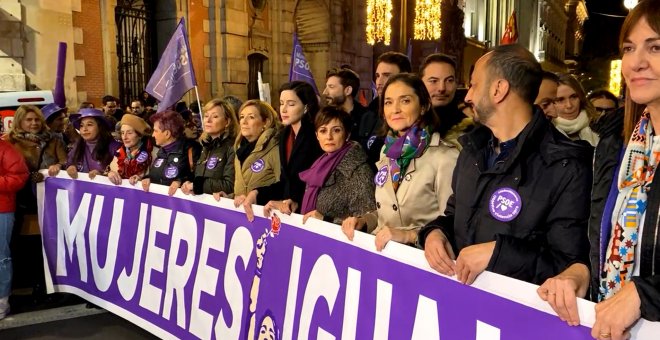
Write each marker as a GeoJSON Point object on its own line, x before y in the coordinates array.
{"type": "Point", "coordinates": [548, 94]}
{"type": "Point", "coordinates": [138, 109]}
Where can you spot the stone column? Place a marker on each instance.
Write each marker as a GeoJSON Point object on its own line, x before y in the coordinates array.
{"type": "Point", "coordinates": [12, 76]}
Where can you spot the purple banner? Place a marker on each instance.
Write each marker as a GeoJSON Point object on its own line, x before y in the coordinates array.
{"type": "Point", "coordinates": [174, 75]}
{"type": "Point", "coordinates": [300, 69]}
{"type": "Point", "coordinates": [184, 267]}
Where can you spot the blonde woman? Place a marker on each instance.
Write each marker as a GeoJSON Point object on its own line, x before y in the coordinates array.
{"type": "Point", "coordinates": [575, 113]}
{"type": "Point", "coordinates": [214, 171]}
{"type": "Point", "coordinates": [257, 162]}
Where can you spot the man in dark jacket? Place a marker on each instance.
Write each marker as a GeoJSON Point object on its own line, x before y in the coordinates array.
{"type": "Point", "coordinates": [371, 139]}
{"type": "Point", "coordinates": [521, 189]}
{"type": "Point", "coordinates": [438, 71]}
{"type": "Point", "coordinates": [341, 90]}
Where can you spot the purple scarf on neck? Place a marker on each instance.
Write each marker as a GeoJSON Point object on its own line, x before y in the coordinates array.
{"type": "Point", "coordinates": [316, 175]}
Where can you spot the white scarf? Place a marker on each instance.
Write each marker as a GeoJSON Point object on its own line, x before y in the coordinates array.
{"type": "Point", "coordinates": [578, 126]}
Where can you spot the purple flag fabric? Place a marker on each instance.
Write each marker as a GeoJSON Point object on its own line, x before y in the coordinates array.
{"type": "Point", "coordinates": [174, 75]}
{"type": "Point", "coordinates": [58, 93]}
{"type": "Point", "coordinates": [299, 65]}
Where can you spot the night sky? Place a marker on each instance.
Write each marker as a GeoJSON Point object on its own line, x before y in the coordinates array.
{"type": "Point", "coordinates": [601, 42]}
{"type": "Point", "coordinates": [602, 31]}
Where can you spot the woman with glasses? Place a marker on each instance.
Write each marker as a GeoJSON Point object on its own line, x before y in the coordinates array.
{"type": "Point", "coordinates": [574, 112]}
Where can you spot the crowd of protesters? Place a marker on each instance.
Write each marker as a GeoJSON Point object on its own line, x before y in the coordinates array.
{"type": "Point", "coordinates": [527, 176]}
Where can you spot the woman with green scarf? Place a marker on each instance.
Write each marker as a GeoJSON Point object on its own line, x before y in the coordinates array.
{"type": "Point", "coordinates": [413, 179]}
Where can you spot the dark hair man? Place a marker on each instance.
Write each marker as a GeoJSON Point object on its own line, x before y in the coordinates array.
{"type": "Point", "coordinates": [387, 65]}
{"type": "Point", "coordinates": [521, 188]}
{"type": "Point", "coordinates": [341, 89]}
{"type": "Point", "coordinates": [547, 94]}
{"type": "Point", "coordinates": [438, 71]}
{"type": "Point", "coordinates": [111, 108]}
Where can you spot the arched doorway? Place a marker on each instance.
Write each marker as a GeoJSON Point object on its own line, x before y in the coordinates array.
{"type": "Point", "coordinates": [256, 64]}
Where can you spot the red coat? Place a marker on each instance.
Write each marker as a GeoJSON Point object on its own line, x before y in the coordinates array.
{"type": "Point", "coordinates": [13, 175]}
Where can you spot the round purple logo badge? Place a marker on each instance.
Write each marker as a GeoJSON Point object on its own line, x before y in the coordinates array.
{"type": "Point", "coordinates": [381, 176]}
{"type": "Point", "coordinates": [505, 204]}
{"type": "Point", "coordinates": [258, 165]}
{"type": "Point", "coordinates": [370, 142]}
{"type": "Point", "coordinates": [171, 171]}
{"type": "Point", "coordinates": [158, 163]}
{"type": "Point", "coordinates": [142, 157]}
{"type": "Point", "coordinates": [212, 162]}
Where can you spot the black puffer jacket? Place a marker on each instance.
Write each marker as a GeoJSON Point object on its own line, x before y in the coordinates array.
{"type": "Point", "coordinates": [552, 178]}
{"type": "Point", "coordinates": [215, 169]}
{"type": "Point", "coordinates": [175, 165]}
{"type": "Point", "coordinates": [608, 151]}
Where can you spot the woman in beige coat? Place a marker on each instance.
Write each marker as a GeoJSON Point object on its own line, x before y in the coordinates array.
{"type": "Point", "coordinates": [257, 162]}
{"type": "Point", "coordinates": [414, 173]}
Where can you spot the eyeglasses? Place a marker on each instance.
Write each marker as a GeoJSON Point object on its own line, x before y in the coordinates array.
{"type": "Point", "coordinates": [135, 107]}
{"type": "Point", "coordinates": [604, 110]}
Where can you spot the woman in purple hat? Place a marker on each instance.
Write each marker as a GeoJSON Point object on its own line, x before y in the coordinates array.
{"type": "Point", "coordinates": [95, 149]}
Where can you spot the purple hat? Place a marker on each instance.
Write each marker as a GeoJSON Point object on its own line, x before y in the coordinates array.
{"type": "Point", "coordinates": [50, 110]}
{"type": "Point", "coordinates": [88, 112]}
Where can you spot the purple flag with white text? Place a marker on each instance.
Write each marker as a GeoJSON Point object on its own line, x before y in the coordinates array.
{"type": "Point", "coordinates": [174, 75]}
{"type": "Point", "coordinates": [299, 66]}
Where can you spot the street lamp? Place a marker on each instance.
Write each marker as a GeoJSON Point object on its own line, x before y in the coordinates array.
{"type": "Point", "coordinates": [630, 4]}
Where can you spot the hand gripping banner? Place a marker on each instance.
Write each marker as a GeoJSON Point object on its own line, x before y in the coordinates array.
{"type": "Point", "coordinates": [187, 267]}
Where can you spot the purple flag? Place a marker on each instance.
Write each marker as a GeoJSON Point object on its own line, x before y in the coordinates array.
{"type": "Point", "coordinates": [299, 65]}
{"type": "Point", "coordinates": [174, 75]}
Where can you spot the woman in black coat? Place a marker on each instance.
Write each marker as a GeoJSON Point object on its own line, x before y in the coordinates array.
{"type": "Point", "coordinates": [299, 147]}
{"type": "Point", "coordinates": [214, 172]}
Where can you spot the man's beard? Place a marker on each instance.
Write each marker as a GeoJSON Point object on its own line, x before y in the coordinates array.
{"type": "Point", "coordinates": [335, 101]}
{"type": "Point", "coordinates": [483, 110]}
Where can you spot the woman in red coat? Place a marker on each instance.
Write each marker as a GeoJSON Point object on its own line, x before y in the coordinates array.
{"type": "Point", "coordinates": [13, 175]}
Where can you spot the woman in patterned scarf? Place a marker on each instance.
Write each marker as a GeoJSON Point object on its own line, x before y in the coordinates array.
{"type": "Point", "coordinates": [414, 175]}
{"type": "Point", "coordinates": [625, 247]}
{"type": "Point", "coordinates": [133, 159]}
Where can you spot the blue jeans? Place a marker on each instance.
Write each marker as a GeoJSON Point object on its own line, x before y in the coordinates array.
{"type": "Point", "coordinates": [6, 227]}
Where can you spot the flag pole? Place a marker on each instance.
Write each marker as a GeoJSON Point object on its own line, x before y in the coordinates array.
{"type": "Point", "coordinates": [199, 106]}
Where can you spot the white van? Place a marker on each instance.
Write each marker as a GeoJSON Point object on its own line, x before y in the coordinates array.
{"type": "Point", "coordinates": [10, 101]}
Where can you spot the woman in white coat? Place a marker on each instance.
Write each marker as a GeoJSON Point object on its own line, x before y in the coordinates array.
{"type": "Point", "coordinates": [414, 173]}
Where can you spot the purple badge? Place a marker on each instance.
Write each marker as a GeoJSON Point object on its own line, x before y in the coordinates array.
{"type": "Point", "coordinates": [142, 157]}
{"type": "Point", "coordinates": [370, 142]}
{"type": "Point", "coordinates": [505, 204]}
{"type": "Point", "coordinates": [171, 171]}
{"type": "Point", "coordinates": [158, 163]}
{"type": "Point", "coordinates": [381, 176]}
{"type": "Point", "coordinates": [212, 162]}
{"type": "Point", "coordinates": [258, 165]}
